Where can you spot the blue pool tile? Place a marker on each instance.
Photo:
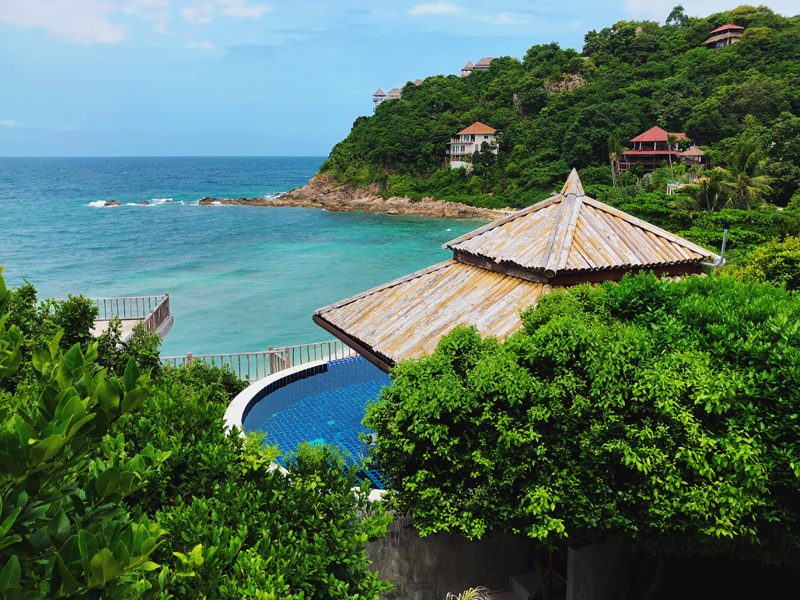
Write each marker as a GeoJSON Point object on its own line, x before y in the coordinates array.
{"type": "Point", "coordinates": [323, 406]}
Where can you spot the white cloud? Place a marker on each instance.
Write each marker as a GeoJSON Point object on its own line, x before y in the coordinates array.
{"type": "Point", "coordinates": [243, 10]}
{"type": "Point", "coordinates": [78, 21]}
{"type": "Point", "coordinates": [152, 10]}
{"type": "Point", "coordinates": [507, 18]}
{"type": "Point", "coordinates": [658, 10]}
{"type": "Point", "coordinates": [200, 45]}
{"type": "Point", "coordinates": [198, 14]}
{"type": "Point", "coordinates": [440, 8]}
{"type": "Point", "coordinates": [8, 123]}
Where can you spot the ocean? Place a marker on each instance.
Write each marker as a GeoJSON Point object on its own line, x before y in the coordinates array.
{"type": "Point", "coordinates": [240, 278]}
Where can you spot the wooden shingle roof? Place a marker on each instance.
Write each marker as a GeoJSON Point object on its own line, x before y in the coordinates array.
{"type": "Point", "coordinates": [502, 268]}
{"type": "Point", "coordinates": [406, 318]}
{"type": "Point", "coordinates": [573, 233]}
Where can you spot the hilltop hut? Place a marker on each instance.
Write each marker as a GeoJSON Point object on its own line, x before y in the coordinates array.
{"type": "Point", "coordinates": [725, 36]}
{"type": "Point", "coordinates": [502, 268]}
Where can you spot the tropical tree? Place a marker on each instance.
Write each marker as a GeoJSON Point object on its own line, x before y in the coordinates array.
{"type": "Point", "coordinates": [707, 194]}
{"type": "Point", "coordinates": [672, 139]}
{"type": "Point", "coordinates": [748, 177]}
{"type": "Point", "coordinates": [615, 150]}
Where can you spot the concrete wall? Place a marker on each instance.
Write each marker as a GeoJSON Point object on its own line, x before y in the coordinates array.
{"type": "Point", "coordinates": [598, 572]}
{"type": "Point", "coordinates": [428, 568]}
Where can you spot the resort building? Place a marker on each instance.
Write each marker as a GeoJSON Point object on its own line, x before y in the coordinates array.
{"type": "Point", "coordinates": [467, 142]}
{"type": "Point", "coordinates": [651, 148]}
{"type": "Point", "coordinates": [725, 36]}
{"type": "Point", "coordinates": [380, 96]}
{"type": "Point", "coordinates": [502, 268]}
{"type": "Point", "coordinates": [481, 65]}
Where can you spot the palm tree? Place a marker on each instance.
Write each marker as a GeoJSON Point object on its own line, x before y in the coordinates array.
{"type": "Point", "coordinates": [748, 177]}
{"type": "Point", "coordinates": [615, 150]}
{"type": "Point", "coordinates": [706, 194]}
{"type": "Point", "coordinates": [749, 121]}
{"type": "Point", "coordinates": [672, 139]}
{"type": "Point", "coordinates": [478, 593]}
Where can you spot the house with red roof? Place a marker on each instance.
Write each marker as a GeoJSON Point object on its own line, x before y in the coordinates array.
{"type": "Point", "coordinates": [467, 142]}
{"type": "Point", "coordinates": [725, 36]}
{"type": "Point", "coordinates": [652, 147]}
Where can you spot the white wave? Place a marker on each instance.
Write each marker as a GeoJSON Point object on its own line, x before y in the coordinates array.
{"type": "Point", "coordinates": [97, 203]}
{"type": "Point", "coordinates": [161, 201]}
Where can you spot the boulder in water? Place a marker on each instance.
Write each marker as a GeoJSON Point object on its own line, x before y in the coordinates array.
{"type": "Point", "coordinates": [144, 203]}
{"type": "Point", "coordinates": [113, 203]}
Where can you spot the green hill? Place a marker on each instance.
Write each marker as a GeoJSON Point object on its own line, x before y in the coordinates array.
{"type": "Point", "coordinates": [632, 76]}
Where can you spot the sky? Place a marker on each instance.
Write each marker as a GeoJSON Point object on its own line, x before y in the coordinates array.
{"type": "Point", "coordinates": [253, 77]}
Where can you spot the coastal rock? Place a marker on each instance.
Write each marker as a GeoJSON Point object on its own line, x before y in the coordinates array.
{"type": "Point", "coordinates": [144, 203]}
{"type": "Point", "coordinates": [322, 192]}
{"type": "Point", "coordinates": [113, 203]}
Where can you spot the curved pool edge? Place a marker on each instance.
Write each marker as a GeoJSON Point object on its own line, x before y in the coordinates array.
{"type": "Point", "coordinates": [237, 409]}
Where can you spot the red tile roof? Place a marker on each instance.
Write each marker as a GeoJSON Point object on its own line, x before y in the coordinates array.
{"type": "Point", "coordinates": [476, 128]}
{"type": "Point", "coordinates": [692, 152]}
{"type": "Point", "coordinates": [724, 27]}
{"type": "Point", "coordinates": [656, 134]}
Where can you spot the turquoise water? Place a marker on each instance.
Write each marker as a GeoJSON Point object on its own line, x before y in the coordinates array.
{"type": "Point", "coordinates": [240, 278]}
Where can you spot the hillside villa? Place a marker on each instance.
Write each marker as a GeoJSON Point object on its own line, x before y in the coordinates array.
{"type": "Point", "coordinates": [393, 94]}
{"type": "Point", "coordinates": [652, 147]}
{"type": "Point", "coordinates": [467, 142]}
{"type": "Point", "coordinates": [725, 36]}
{"type": "Point", "coordinates": [481, 65]}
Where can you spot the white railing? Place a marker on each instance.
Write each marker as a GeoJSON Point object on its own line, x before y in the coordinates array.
{"type": "Point", "coordinates": [256, 365]}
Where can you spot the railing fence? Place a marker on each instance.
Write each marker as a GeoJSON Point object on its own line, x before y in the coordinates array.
{"type": "Point", "coordinates": [255, 365]}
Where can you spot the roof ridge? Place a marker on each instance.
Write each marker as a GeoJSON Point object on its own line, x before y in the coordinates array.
{"type": "Point", "coordinates": [499, 222]}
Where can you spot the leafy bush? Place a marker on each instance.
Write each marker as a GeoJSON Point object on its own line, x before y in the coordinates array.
{"type": "Point", "coordinates": [63, 480]}
{"type": "Point", "coordinates": [75, 316]}
{"type": "Point", "coordinates": [222, 384]}
{"type": "Point", "coordinates": [264, 534]}
{"type": "Point", "coordinates": [657, 414]}
{"type": "Point", "coordinates": [777, 262]}
{"type": "Point", "coordinates": [143, 347]}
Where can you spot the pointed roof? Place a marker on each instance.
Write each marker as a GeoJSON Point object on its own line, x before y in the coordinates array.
{"type": "Point", "coordinates": [484, 62]}
{"type": "Point", "coordinates": [572, 233]}
{"type": "Point", "coordinates": [469, 65]}
{"type": "Point", "coordinates": [477, 128]}
{"type": "Point", "coordinates": [725, 27]}
{"type": "Point", "coordinates": [379, 93]}
{"type": "Point", "coordinates": [656, 134]}
{"type": "Point", "coordinates": [418, 82]}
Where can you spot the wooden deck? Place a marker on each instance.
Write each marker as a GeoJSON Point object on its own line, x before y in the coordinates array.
{"type": "Point", "coordinates": [153, 311]}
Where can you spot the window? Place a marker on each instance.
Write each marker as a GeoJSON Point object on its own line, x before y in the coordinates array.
{"type": "Point", "coordinates": [486, 137]}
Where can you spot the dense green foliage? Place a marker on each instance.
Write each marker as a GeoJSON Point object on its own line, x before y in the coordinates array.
{"type": "Point", "coordinates": [63, 480]}
{"type": "Point", "coordinates": [663, 75]}
{"type": "Point", "coordinates": [777, 262]}
{"type": "Point", "coordinates": [102, 475]}
{"type": "Point", "coordinates": [662, 415]}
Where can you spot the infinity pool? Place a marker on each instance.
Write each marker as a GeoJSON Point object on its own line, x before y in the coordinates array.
{"type": "Point", "coordinates": [323, 405]}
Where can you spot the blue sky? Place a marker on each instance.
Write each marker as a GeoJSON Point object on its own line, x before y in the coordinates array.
{"type": "Point", "coordinates": [251, 77]}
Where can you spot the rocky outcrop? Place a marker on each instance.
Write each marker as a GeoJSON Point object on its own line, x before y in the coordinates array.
{"type": "Point", "coordinates": [567, 84]}
{"type": "Point", "coordinates": [322, 192]}
{"type": "Point", "coordinates": [113, 203]}
{"type": "Point", "coordinates": [144, 203]}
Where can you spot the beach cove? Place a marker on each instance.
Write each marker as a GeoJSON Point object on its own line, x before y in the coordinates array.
{"type": "Point", "coordinates": [240, 278]}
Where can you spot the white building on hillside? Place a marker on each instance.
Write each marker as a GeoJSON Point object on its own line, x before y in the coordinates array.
{"type": "Point", "coordinates": [468, 142]}
{"type": "Point", "coordinates": [377, 98]}
{"type": "Point", "coordinates": [481, 65]}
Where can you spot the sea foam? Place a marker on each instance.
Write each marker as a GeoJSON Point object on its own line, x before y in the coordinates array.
{"type": "Point", "coordinates": [97, 203]}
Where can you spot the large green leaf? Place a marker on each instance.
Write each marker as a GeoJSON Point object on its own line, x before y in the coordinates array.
{"type": "Point", "coordinates": [9, 576]}
{"type": "Point", "coordinates": [46, 449]}
{"type": "Point", "coordinates": [108, 482]}
{"type": "Point", "coordinates": [103, 567]}
{"type": "Point", "coordinates": [131, 375]}
{"type": "Point", "coordinates": [73, 360]}
{"type": "Point", "coordinates": [88, 547]}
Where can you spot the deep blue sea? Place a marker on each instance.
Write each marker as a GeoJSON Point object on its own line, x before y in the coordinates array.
{"type": "Point", "coordinates": [240, 278]}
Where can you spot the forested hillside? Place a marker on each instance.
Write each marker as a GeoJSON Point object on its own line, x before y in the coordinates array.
{"type": "Point", "coordinates": [632, 76]}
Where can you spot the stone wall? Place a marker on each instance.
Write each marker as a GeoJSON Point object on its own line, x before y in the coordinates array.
{"type": "Point", "coordinates": [428, 568]}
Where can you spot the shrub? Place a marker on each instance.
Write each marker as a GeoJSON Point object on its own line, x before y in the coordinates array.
{"type": "Point", "coordinates": [143, 347]}
{"type": "Point", "coordinates": [657, 414]}
{"type": "Point", "coordinates": [223, 384]}
{"type": "Point", "coordinates": [776, 262]}
{"type": "Point", "coordinates": [75, 316]}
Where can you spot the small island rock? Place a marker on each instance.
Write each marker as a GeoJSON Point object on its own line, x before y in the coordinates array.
{"type": "Point", "coordinates": [113, 203]}
{"type": "Point", "coordinates": [144, 203]}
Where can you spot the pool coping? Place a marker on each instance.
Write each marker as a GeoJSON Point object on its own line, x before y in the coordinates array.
{"type": "Point", "coordinates": [235, 413]}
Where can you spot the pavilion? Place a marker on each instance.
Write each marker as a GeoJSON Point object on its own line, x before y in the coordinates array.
{"type": "Point", "coordinates": [502, 268]}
